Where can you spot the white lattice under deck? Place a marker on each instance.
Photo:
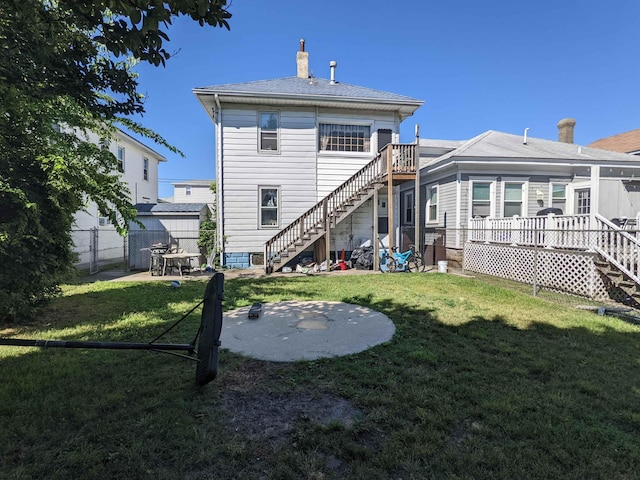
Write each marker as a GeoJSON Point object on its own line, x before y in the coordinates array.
{"type": "Point", "coordinates": [564, 271]}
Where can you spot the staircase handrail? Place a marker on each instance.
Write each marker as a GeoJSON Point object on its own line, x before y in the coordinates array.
{"type": "Point", "coordinates": [330, 204]}
{"type": "Point", "coordinates": [618, 247]}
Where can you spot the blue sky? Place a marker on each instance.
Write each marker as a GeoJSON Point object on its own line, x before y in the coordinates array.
{"type": "Point", "coordinates": [478, 65]}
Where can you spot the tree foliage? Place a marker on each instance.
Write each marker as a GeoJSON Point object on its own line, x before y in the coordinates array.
{"type": "Point", "coordinates": [208, 232]}
{"type": "Point", "coordinates": [69, 63]}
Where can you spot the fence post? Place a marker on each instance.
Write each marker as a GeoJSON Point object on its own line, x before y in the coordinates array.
{"type": "Point", "coordinates": [535, 266]}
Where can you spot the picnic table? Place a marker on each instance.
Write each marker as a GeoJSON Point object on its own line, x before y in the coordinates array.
{"type": "Point", "coordinates": [178, 260]}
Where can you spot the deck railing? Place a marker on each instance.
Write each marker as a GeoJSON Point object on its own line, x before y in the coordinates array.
{"type": "Point", "coordinates": [595, 233]}
{"type": "Point", "coordinates": [550, 231]}
{"type": "Point", "coordinates": [397, 158]}
{"type": "Point", "coordinates": [618, 247]}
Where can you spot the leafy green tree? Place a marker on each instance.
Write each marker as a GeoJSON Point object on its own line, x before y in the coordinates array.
{"type": "Point", "coordinates": [208, 232]}
{"type": "Point", "coordinates": [69, 63]}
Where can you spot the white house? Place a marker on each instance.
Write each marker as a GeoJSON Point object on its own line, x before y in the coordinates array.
{"type": "Point", "coordinates": [95, 239]}
{"type": "Point", "coordinates": [194, 191]}
{"type": "Point", "coordinates": [284, 145]}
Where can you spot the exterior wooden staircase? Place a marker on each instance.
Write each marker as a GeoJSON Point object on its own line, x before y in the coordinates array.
{"type": "Point", "coordinates": [619, 251]}
{"type": "Point", "coordinates": [395, 163]}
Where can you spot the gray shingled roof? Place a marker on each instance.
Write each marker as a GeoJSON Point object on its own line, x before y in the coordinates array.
{"type": "Point", "coordinates": [294, 86]}
{"type": "Point", "coordinates": [170, 207]}
{"type": "Point", "coordinates": [499, 145]}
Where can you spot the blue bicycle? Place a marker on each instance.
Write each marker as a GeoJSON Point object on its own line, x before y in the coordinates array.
{"type": "Point", "coordinates": [409, 261]}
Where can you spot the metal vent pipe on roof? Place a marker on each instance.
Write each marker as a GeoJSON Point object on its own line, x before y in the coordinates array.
{"type": "Point", "coordinates": [333, 64]}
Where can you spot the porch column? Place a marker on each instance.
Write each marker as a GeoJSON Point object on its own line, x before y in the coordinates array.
{"type": "Point", "coordinates": [327, 233]}
{"type": "Point", "coordinates": [390, 193]}
{"type": "Point", "coordinates": [594, 203]}
{"type": "Point", "coordinates": [418, 224]}
{"type": "Point", "coordinates": [376, 233]}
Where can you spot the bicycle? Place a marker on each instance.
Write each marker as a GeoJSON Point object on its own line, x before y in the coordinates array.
{"type": "Point", "coordinates": [409, 261]}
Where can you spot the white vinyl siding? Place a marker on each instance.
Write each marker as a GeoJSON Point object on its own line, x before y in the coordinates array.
{"type": "Point", "coordinates": [244, 169]}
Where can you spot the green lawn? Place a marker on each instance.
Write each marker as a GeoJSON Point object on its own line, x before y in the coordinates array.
{"type": "Point", "coordinates": [480, 381]}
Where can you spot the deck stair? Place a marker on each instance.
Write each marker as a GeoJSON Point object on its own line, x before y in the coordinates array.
{"type": "Point", "coordinates": [620, 260]}
{"type": "Point", "coordinates": [395, 159]}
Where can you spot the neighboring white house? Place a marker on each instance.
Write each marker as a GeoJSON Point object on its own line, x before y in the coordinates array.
{"type": "Point", "coordinates": [95, 239]}
{"type": "Point", "coordinates": [500, 175]}
{"type": "Point", "coordinates": [194, 191]}
{"type": "Point", "coordinates": [283, 145]}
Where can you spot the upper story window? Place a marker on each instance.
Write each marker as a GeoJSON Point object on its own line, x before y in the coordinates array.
{"type": "Point", "coordinates": [344, 138]}
{"type": "Point", "coordinates": [407, 208]}
{"type": "Point", "coordinates": [120, 158]}
{"type": "Point", "coordinates": [432, 204]}
{"type": "Point", "coordinates": [513, 203]}
{"type": "Point", "coordinates": [145, 169]}
{"type": "Point", "coordinates": [559, 196]}
{"type": "Point", "coordinates": [268, 132]}
{"type": "Point", "coordinates": [480, 199]}
{"type": "Point", "coordinates": [269, 203]}
{"type": "Point", "coordinates": [187, 190]}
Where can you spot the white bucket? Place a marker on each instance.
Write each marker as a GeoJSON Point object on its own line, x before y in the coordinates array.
{"type": "Point", "coordinates": [443, 266]}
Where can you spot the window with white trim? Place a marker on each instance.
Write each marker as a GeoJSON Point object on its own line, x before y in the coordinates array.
{"type": "Point", "coordinates": [559, 196]}
{"type": "Point", "coordinates": [187, 190]}
{"type": "Point", "coordinates": [268, 132]}
{"type": "Point", "coordinates": [407, 208]}
{"type": "Point", "coordinates": [344, 138]}
{"type": "Point", "coordinates": [269, 206]}
{"type": "Point", "coordinates": [432, 204]}
{"type": "Point", "coordinates": [120, 157]}
{"type": "Point", "coordinates": [512, 200]}
{"type": "Point", "coordinates": [480, 199]}
{"type": "Point", "coordinates": [145, 169]}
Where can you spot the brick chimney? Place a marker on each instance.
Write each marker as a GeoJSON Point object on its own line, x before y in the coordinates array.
{"type": "Point", "coordinates": [302, 59]}
{"type": "Point", "coordinates": [565, 130]}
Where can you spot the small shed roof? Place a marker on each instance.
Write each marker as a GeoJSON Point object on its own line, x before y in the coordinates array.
{"type": "Point", "coordinates": [164, 208]}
